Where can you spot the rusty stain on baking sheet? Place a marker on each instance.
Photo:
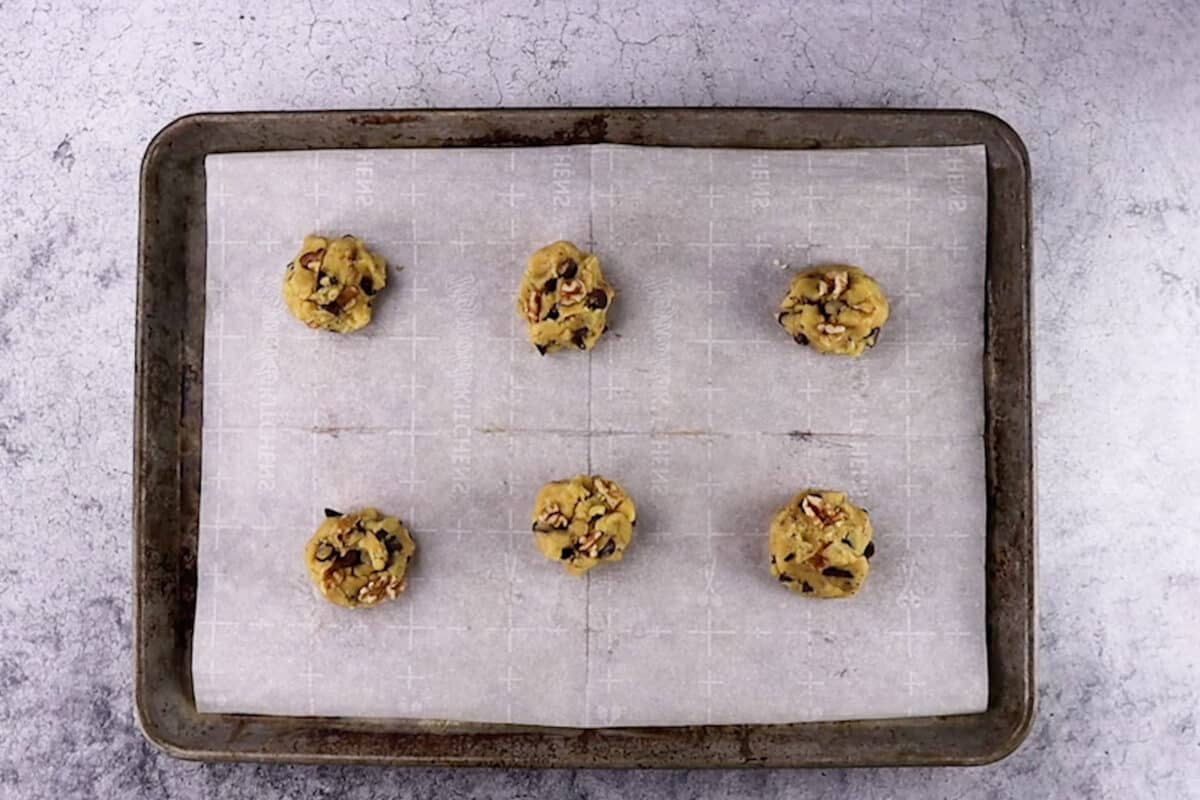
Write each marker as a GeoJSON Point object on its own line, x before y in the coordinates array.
{"type": "Point", "coordinates": [587, 130]}
{"type": "Point", "coordinates": [384, 119]}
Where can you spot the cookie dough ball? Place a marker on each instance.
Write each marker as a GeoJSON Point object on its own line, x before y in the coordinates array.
{"type": "Point", "coordinates": [359, 559]}
{"type": "Point", "coordinates": [330, 284]}
{"type": "Point", "coordinates": [837, 309]}
{"type": "Point", "coordinates": [583, 522]}
{"type": "Point", "coordinates": [564, 298]}
{"type": "Point", "coordinates": [821, 545]}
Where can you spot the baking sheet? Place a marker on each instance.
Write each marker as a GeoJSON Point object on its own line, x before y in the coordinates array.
{"type": "Point", "coordinates": [440, 412]}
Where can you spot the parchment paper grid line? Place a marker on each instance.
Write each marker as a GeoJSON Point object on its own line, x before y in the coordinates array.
{"type": "Point", "coordinates": [711, 567]}
{"type": "Point", "coordinates": [908, 295]}
{"type": "Point", "coordinates": [309, 673]}
{"type": "Point", "coordinates": [588, 633]}
{"type": "Point", "coordinates": [511, 556]}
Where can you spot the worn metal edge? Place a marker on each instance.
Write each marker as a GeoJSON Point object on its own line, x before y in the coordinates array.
{"type": "Point", "coordinates": [1013, 733]}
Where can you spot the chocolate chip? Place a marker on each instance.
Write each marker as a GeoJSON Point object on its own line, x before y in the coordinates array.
{"type": "Point", "coordinates": [367, 285]}
{"type": "Point", "coordinates": [392, 544]}
{"type": "Point", "coordinates": [579, 338]}
{"type": "Point", "coordinates": [772, 559]}
{"type": "Point", "coordinates": [836, 572]}
{"type": "Point", "coordinates": [348, 560]}
{"type": "Point", "coordinates": [324, 551]}
{"type": "Point", "coordinates": [566, 554]}
{"type": "Point", "coordinates": [332, 308]}
{"type": "Point", "coordinates": [597, 299]}
{"type": "Point", "coordinates": [553, 313]}
{"type": "Point", "coordinates": [541, 348]}
{"type": "Point", "coordinates": [567, 269]}
{"type": "Point", "coordinates": [608, 549]}
{"type": "Point", "coordinates": [804, 587]}
{"type": "Point", "coordinates": [329, 512]}
{"type": "Point", "coordinates": [870, 551]}
{"type": "Point", "coordinates": [800, 338]}
{"type": "Point", "coordinates": [790, 557]}
{"type": "Point", "coordinates": [550, 285]}
{"type": "Point", "coordinates": [785, 578]}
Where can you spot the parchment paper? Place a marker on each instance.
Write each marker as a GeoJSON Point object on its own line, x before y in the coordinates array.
{"type": "Point", "coordinates": [440, 412]}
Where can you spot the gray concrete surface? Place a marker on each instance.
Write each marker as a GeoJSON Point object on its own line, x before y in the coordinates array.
{"type": "Point", "coordinates": [1106, 95]}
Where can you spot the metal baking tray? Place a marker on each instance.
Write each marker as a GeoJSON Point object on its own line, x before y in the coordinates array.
{"type": "Point", "coordinates": [169, 399]}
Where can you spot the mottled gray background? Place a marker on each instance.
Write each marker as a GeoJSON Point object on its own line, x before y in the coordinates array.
{"type": "Point", "coordinates": [1106, 96]}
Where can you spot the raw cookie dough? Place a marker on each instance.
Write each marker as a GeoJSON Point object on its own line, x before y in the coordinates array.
{"type": "Point", "coordinates": [359, 559]}
{"type": "Point", "coordinates": [564, 298]}
{"type": "Point", "coordinates": [835, 309]}
{"type": "Point", "coordinates": [821, 544]}
{"type": "Point", "coordinates": [330, 284]}
{"type": "Point", "coordinates": [583, 521]}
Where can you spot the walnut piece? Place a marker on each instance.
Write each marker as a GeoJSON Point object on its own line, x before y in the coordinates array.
{"type": "Point", "coordinates": [379, 587]}
{"type": "Point", "coordinates": [348, 297]}
{"type": "Point", "coordinates": [590, 542]}
{"type": "Point", "coordinates": [814, 506]}
{"type": "Point", "coordinates": [609, 491]}
{"type": "Point", "coordinates": [841, 280]}
{"type": "Point", "coordinates": [332, 579]}
{"type": "Point", "coordinates": [533, 308]}
{"type": "Point", "coordinates": [308, 259]}
{"type": "Point", "coordinates": [809, 504]}
{"type": "Point", "coordinates": [571, 291]}
{"type": "Point", "coordinates": [553, 516]}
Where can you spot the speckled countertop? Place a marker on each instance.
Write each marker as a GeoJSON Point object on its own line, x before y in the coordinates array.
{"type": "Point", "coordinates": [1106, 97]}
